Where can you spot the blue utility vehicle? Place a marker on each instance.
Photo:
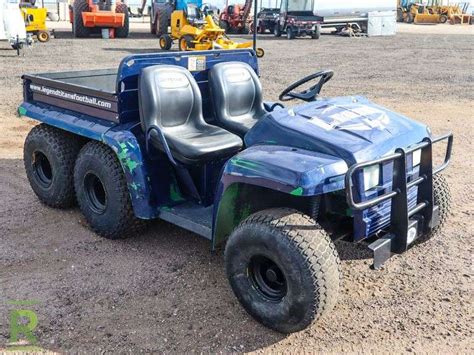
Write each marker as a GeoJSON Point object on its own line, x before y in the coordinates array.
{"type": "Point", "coordinates": [188, 138]}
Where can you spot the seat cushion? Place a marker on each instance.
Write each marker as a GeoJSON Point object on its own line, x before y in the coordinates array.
{"type": "Point", "coordinates": [236, 95]}
{"type": "Point", "coordinates": [192, 146]}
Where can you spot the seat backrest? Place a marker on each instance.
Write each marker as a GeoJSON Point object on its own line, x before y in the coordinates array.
{"type": "Point", "coordinates": [192, 13]}
{"type": "Point", "coordinates": [237, 96]}
{"type": "Point", "coordinates": [168, 97]}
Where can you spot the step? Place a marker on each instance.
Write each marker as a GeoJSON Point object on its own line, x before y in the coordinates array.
{"type": "Point", "coordinates": [190, 216]}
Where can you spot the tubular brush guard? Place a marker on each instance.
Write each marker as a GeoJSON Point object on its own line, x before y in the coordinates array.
{"type": "Point", "coordinates": [405, 225]}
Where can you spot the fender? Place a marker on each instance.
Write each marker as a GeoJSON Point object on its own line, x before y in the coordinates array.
{"type": "Point", "coordinates": [127, 148]}
{"type": "Point", "coordinates": [290, 171]}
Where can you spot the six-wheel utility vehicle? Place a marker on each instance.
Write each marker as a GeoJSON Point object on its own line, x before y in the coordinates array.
{"type": "Point", "coordinates": [297, 19]}
{"type": "Point", "coordinates": [188, 138]}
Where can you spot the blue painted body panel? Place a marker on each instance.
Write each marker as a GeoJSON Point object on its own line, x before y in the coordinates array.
{"type": "Point", "coordinates": [352, 128]}
{"type": "Point", "coordinates": [85, 126]}
{"type": "Point", "coordinates": [290, 170]}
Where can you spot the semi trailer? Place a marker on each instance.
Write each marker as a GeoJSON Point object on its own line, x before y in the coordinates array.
{"type": "Point", "coordinates": [343, 12]}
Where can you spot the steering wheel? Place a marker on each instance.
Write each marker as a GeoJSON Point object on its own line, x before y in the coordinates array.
{"type": "Point", "coordinates": [308, 94]}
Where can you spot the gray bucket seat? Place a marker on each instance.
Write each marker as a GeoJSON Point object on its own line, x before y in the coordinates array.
{"type": "Point", "coordinates": [170, 101]}
{"type": "Point", "coordinates": [236, 93]}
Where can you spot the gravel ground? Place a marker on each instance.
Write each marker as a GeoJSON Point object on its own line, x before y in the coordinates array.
{"type": "Point", "coordinates": [165, 291]}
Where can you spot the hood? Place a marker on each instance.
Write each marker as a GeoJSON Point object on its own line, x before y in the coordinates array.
{"type": "Point", "coordinates": [352, 128]}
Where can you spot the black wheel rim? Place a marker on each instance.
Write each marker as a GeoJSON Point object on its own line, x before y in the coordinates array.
{"type": "Point", "coordinates": [95, 193]}
{"type": "Point", "coordinates": [42, 169]}
{"type": "Point", "coordinates": [267, 278]}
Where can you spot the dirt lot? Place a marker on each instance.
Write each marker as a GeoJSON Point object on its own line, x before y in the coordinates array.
{"type": "Point", "coordinates": [165, 291]}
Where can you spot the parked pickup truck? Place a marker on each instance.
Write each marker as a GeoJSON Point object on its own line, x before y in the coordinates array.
{"type": "Point", "coordinates": [188, 138]}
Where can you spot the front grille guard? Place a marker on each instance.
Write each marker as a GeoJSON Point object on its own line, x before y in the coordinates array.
{"type": "Point", "coordinates": [425, 213]}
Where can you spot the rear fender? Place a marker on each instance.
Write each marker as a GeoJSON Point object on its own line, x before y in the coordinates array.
{"type": "Point", "coordinates": [267, 176]}
{"type": "Point", "coordinates": [129, 153]}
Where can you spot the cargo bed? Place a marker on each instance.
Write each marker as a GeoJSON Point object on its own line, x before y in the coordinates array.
{"type": "Point", "coordinates": [90, 92]}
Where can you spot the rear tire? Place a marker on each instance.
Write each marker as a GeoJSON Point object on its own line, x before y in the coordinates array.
{"type": "Point", "coordinates": [122, 32]}
{"type": "Point", "coordinates": [49, 155]}
{"type": "Point", "coordinates": [162, 24]}
{"type": "Point", "coordinates": [283, 268]}
{"type": "Point", "coordinates": [290, 34]}
{"type": "Point", "coordinates": [224, 25]}
{"type": "Point", "coordinates": [78, 28]}
{"type": "Point", "coordinates": [102, 192]}
{"type": "Point", "coordinates": [244, 30]}
{"type": "Point", "coordinates": [317, 33]}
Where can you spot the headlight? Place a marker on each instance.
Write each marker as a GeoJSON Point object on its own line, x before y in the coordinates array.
{"type": "Point", "coordinates": [371, 176]}
{"type": "Point", "coordinates": [416, 157]}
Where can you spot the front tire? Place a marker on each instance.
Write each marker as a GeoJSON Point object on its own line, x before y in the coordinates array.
{"type": "Point", "coordinates": [185, 43]}
{"type": "Point", "coordinates": [283, 268]}
{"type": "Point", "coordinates": [43, 36]}
{"type": "Point", "coordinates": [152, 25]}
{"type": "Point", "coordinates": [49, 155]}
{"type": "Point", "coordinates": [441, 198]}
{"type": "Point", "coordinates": [102, 192]}
{"type": "Point", "coordinates": [166, 42]}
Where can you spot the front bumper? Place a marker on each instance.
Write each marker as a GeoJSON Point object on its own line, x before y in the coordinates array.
{"type": "Point", "coordinates": [305, 29]}
{"type": "Point", "coordinates": [407, 223]}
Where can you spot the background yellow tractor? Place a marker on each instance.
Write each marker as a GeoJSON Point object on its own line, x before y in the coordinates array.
{"type": "Point", "coordinates": [426, 14]}
{"type": "Point", "coordinates": [433, 11]}
{"type": "Point", "coordinates": [195, 30]}
{"type": "Point", "coordinates": [35, 20]}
